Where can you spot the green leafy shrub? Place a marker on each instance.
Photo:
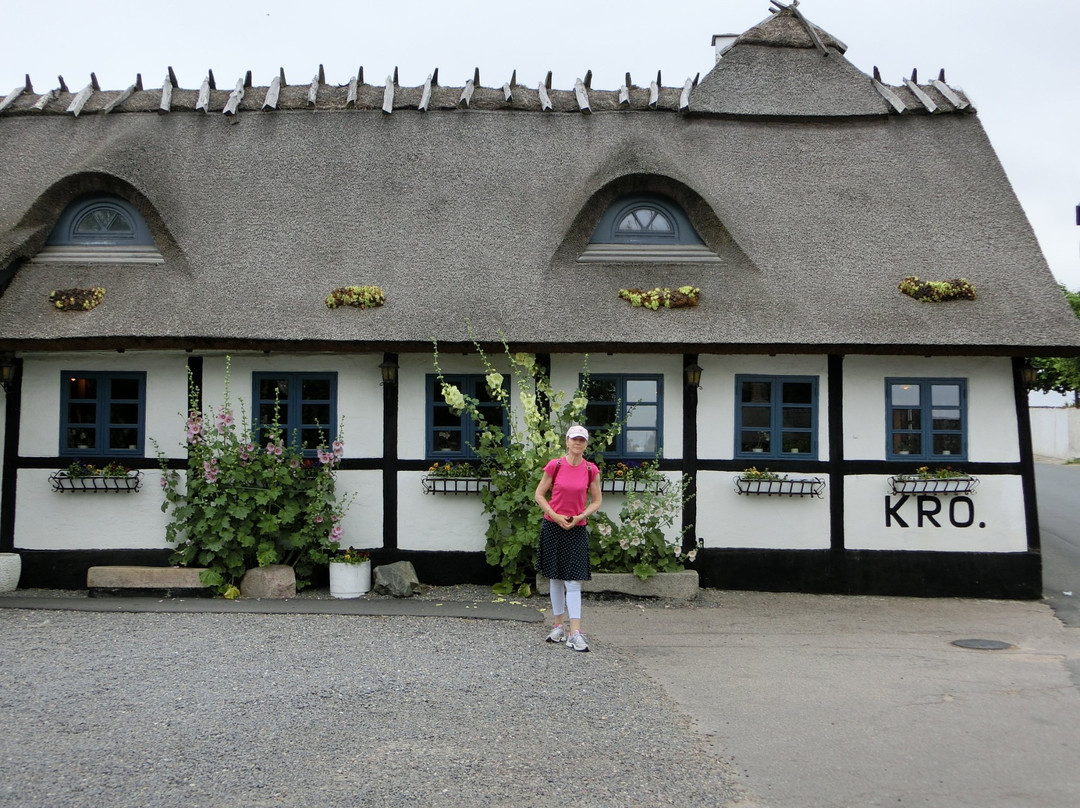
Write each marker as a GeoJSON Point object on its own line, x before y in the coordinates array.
{"type": "Point", "coordinates": [637, 541]}
{"type": "Point", "coordinates": [515, 461]}
{"type": "Point", "coordinates": [241, 505]}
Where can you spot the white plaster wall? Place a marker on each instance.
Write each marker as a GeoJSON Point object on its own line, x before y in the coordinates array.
{"type": "Point", "coordinates": [996, 512]}
{"type": "Point", "coordinates": [728, 519]}
{"type": "Point", "coordinates": [166, 397]}
{"type": "Point", "coordinates": [992, 434]}
{"type": "Point", "coordinates": [438, 521]}
{"type": "Point", "coordinates": [359, 396]}
{"type": "Point", "coordinates": [1055, 432]}
{"type": "Point", "coordinates": [77, 520]}
{"type": "Point", "coordinates": [363, 521]}
{"type": "Point", "coordinates": [716, 398]}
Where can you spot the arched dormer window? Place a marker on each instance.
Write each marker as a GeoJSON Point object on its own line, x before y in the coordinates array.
{"type": "Point", "coordinates": [100, 229]}
{"type": "Point", "coordinates": [645, 228]}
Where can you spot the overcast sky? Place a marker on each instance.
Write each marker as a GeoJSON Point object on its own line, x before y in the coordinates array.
{"type": "Point", "coordinates": [1018, 60]}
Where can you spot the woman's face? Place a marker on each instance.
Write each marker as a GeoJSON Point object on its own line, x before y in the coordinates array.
{"type": "Point", "coordinates": [576, 446]}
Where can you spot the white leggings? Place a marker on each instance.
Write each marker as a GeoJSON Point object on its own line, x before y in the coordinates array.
{"type": "Point", "coordinates": [566, 595]}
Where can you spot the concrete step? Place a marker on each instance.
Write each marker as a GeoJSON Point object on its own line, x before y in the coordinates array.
{"type": "Point", "coordinates": [681, 585]}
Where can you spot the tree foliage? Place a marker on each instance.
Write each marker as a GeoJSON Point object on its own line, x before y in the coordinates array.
{"type": "Point", "coordinates": [1059, 374]}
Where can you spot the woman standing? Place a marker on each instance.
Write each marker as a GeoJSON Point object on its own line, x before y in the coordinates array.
{"type": "Point", "coordinates": [563, 557]}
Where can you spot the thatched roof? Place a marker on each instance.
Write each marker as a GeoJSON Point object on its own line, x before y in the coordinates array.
{"type": "Point", "coordinates": [817, 192]}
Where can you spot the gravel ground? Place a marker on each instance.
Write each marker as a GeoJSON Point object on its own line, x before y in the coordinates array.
{"type": "Point", "coordinates": [149, 710]}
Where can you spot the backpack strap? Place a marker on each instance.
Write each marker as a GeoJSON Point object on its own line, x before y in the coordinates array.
{"type": "Point", "coordinates": [593, 471]}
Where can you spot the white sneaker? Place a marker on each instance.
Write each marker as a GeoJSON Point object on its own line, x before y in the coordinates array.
{"type": "Point", "coordinates": [558, 634]}
{"type": "Point", "coordinates": [577, 642]}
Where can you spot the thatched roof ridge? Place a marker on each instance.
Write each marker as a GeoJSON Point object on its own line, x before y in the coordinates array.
{"type": "Point", "coordinates": [773, 70]}
{"type": "Point", "coordinates": [785, 29]}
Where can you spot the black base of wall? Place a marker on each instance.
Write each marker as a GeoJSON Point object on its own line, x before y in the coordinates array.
{"type": "Point", "coordinates": [1014, 576]}
{"type": "Point", "coordinates": [66, 569]}
{"type": "Point", "coordinates": [854, 572]}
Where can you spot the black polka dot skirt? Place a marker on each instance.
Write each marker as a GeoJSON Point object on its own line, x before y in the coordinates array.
{"type": "Point", "coordinates": [563, 554]}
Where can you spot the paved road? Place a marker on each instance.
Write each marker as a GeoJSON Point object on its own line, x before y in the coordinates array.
{"type": "Point", "coordinates": [1058, 489]}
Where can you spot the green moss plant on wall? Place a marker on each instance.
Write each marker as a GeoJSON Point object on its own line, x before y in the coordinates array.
{"type": "Point", "coordinates": [361, 297]}
{"type": "Point", "coordinates": [657, 298]}
{"type": "Point", "coordinates": [937, 291]}
{"type": "Point", "coordinates": [77, 299]}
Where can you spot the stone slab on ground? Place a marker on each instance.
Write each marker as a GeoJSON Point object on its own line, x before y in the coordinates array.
{"type": "Point", "coordinates": [682, 585]}
{"type": "Point", "coordinates": [141, 581]}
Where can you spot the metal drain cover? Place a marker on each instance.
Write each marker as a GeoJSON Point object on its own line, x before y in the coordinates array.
{"type": "Point", "coordinates": [983, 645]}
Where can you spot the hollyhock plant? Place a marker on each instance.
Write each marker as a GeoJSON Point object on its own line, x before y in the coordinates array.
{"type": "Point", "coordinates": [239, 507]}
{"type": "Point", "coordinates": [514, 458]}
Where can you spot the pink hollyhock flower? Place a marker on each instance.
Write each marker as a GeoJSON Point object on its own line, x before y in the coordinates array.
{"type": "Point", "coordinates": [325, 457]}
{"type": "Point", "coordinates": [339, 448]}
{"type": "Point", "coordinates": [318, 519]}
{"type": "Point", "coordinates": [336, 533]}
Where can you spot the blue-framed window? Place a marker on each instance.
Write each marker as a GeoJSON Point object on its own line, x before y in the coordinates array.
{"type": "Point", "coordinates": [634, 397]}
{"type": "Point", "coordinates": [776, 416]}
{"type": "Point", "coordinates": [100, 220]}
{"type": "Point", "coordinates": [926, 419]}
{"type": "Point", "coordinates": [102, 413]}
{"type": "Point", "coordinates": [645, 219]}
{"type": "Point", "coordinates": [450, 436]}
{"type": "Point", "coordinates": [305, 405]}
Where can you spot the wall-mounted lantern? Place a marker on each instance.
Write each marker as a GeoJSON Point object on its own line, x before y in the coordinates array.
{"type": "Point", "coordinates": [389, 369]}
{"type": "Point", "coordinates": [7, 370]}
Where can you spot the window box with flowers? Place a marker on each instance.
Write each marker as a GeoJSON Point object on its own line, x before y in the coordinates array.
{"type": "Point", "coordinates": [632, 476]}
{"type": "Point", "coordinates": [763, 482]}
{"type": "Point", "coordinates": [81, 476]}
{"type": "Point", "coordinates": [454, 478]}
{"type": "Point", "coordinates": [925, 480]}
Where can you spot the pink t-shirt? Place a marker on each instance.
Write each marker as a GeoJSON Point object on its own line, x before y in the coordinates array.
{"type": "Point", "coordinates": [570, 492]}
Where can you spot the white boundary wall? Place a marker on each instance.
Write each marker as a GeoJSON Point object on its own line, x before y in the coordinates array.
{"type": "Point", "coordinates": [1055, 432]}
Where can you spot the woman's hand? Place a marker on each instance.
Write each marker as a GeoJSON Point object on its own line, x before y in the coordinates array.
{"type": "Point", "coordinates": [565, 522]}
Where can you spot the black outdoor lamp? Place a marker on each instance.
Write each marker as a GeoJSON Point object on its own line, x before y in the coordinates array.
{"type": "Point", "coordinates": [7, 370]}
{"type": "Point", "coordinates": [1029, 374]}
{"type": "Point", "coordinates": [389, 369]}
{"type": "Point", "coordinates": [693, 375]}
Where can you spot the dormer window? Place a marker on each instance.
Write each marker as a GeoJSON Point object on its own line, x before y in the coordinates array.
{"type": "Point", "coordinates": [646, 228]}
{"type": "Point", "coordinates": [645, 222]}
{"type": "Point", "coordinates": [100, 229]}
